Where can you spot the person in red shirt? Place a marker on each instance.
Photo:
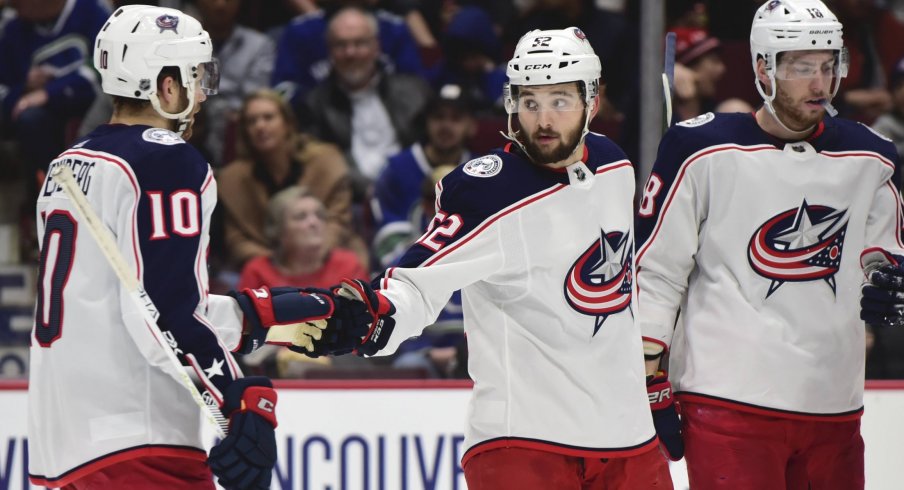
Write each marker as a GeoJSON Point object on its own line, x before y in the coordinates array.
{"type": "Point", "coordinates": [297, 229]}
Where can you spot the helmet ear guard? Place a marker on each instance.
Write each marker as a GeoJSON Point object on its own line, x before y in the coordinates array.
{"type": "Point", "coordinates": [138, 41]}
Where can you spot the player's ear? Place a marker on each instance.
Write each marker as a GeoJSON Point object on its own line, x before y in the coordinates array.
{"type": "Point", "coordinates": [595, 107]}
{"type": "Point", "coordinates": [761, 72]}
{"type": "Point", "coordinates": [169, 90]}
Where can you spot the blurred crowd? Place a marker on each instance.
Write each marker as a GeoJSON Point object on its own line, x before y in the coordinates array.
{"type": "Point", "coordinates": [335, 118]}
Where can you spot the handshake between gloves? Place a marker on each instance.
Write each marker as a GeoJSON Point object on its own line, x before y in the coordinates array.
{"type": "Point", "coordinates": [349, 317]}
{"type": "Point", "coordinates": [882, 302]}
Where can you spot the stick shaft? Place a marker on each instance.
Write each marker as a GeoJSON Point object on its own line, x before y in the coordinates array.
{"type": "Point", "coordinates": [63, 175]}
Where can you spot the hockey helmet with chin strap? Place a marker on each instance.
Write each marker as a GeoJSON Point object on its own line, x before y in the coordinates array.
{"type": "Point", "coordinates": [795, 25]}
{"type": "Point", "coordinates": [551, 57]}
{"type": "Point", "coordinates": [138, 41]}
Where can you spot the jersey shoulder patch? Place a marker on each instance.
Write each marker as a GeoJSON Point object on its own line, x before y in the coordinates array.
{"type": "Point", "coordinates": [698, 121]}
{"type": "Point", "coordinates": [485, 166]}
{"type": "Point", "coordinates": [162, 136]}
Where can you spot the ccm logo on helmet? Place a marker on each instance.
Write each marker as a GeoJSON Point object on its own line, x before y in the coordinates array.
{"type": "Point", "coordinates": [537, 67]}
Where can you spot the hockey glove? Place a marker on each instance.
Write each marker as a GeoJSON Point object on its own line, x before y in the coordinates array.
{"type": "Point", "coordinates": [665, 415]}
{"type": "Point", "coordinates": [882, 300]}
{"type": "Point", "coordinates": [348, 324]}
{"type": "Point", "coordinates": [245, 458]}
{"type": "Point", "coordinates": [380, 309]}
{"type": "Point", "coordinates": [283, 316]}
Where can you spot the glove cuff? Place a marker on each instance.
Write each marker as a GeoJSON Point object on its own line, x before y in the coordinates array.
{"type": "Point", "coordinates": [659, 392]}
{"type": "Point", "coordinates": [261, 401]}
{"type": "Point", "coordinates": [253, 394]}
{"type": "Point", "coordinates": [253, 332]}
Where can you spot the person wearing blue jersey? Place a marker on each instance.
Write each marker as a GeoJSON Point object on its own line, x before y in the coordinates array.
{"type": "Point", "coordinates": [46, 79]}
{"type": "Point", "coordinates": [538, 236]}
{"type": "Point", "coordinates": [302, 52]}
{"type": "Point", "coordinates": [756, 231]}
{"type": "Point", "coordinates": [106, 410]}
{"type": "Point", "coordinates": [398, 192]}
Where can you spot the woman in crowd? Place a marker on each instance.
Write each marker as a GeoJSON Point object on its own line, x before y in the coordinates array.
{"type": "Point", "coordinates": [274, 156]}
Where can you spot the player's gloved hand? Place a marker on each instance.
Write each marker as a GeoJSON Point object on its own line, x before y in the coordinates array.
{"type": "Point", "coordinates": [284, 316]}
{"type": "Point", "coordinates": [665, 415]}
{"type": "Point", "coordinates": [245, 458]}
{"type": "Point", "coordinates": [346, 328]}
{"type": "Point", "coordinates": [882, 299]}
{"type": "Point", "coordinates": [380, 309]}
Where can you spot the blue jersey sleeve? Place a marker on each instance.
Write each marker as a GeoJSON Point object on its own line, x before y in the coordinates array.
{"type": "Point", "coordinates": [171, 236]}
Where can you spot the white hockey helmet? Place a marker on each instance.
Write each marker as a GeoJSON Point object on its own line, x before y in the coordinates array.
{"type": "Point", "coordinates": [139, 40]}
{"type": "Point", "coordinates": [795, 25]}
{"type": "Point", "coordinates": [551, 57]}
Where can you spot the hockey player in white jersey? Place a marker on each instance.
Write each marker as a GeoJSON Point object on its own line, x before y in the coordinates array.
{"type": "Point", "coordinates": [538, 237]}
{"type": "Point", "coordinates": [753, 226]}
{"type": "Point", "coordinates": [102, 414]}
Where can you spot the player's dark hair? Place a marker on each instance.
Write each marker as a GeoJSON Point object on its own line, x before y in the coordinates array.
{"type": "Point", "coordinates": [130, 105]}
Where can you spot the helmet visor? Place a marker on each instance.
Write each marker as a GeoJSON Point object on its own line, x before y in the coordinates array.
{"type": "Point", "coordinates": [210, 76]}
{"type": "Point", "coordinates": [808, 65]}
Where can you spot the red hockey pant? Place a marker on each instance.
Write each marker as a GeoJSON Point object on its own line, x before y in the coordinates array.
{"type": "Point", "coordinates": [727, 449]}
{"type": "Point", "coordinates": [529, 469]}
{"type": "Point", "coordinates": [148, 473]}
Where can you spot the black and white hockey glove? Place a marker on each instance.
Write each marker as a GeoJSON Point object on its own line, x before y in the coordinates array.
{"type": "Point", "coordinates": [245, 458]}
{"type": "Point", "coordinates": [882, 300]}
{"type": "Point", "coordinates": [380, 323]}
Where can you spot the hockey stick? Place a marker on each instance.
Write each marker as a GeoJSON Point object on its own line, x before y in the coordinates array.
{"type": "Point", "coordinates": [668, 77]}
{"type": "Point", "coordinates": [63, 175]}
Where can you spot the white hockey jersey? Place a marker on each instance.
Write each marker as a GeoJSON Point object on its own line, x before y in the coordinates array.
{"type": "Point", "coordinates": [758, 242]}
{"type": "Point", "coordinates": [544, 260]}
{"type": "Point", "coordinates": [94, 398]}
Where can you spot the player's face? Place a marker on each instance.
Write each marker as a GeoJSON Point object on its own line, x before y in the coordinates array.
{"type": "Point", "coordinates": [551, 119]}
{"type": "Point", "coordinates": [304, 224]}
{"type": "Point", "coordinates": [448, 129]}
{"type": "Point", "coordinates": [803, 82]}
{"type": "Point", "coordinates": [266, 128]}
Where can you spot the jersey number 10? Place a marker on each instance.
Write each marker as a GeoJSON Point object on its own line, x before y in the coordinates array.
{"type": "Point", "coordinates": [58, 252]}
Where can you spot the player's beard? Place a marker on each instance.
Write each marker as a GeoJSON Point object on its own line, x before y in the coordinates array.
{"type": "Point", "coordinates": [563, 150]}
{"type": "Point", "coordinates": [791, 115]}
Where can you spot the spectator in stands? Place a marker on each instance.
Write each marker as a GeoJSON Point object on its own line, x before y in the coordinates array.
{"type": "Point", "coordinates": [875, 41]}
{"type": "Point", "coordinates": [246, 62]}
{"type": "Point", "coordinates": [472, 50]}
{"type": "Point", "coordinates": [698, 69]}
{"type": "Point", "coordinates": [397, 201]}
{"type": "Point", "coordinates": [891, 123]}
{"type": "Point", "coordinates": [274, 156]}
{"type": "Point", "coordinates": [302, 256]}
{"type": "Point", "coordinates": [296, 227]}
{"type": "Point", "coordinates": [367, 111]}
{"type": "Point", "coordinates": [45, 75]}
{"type": "Point", "coordinates": [303, 55]}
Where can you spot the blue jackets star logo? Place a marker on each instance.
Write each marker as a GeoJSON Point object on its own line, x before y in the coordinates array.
{"type": "Point", "coordinates": [599, 282]}
{"type": "Point", "coordinates": [797, 245]}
